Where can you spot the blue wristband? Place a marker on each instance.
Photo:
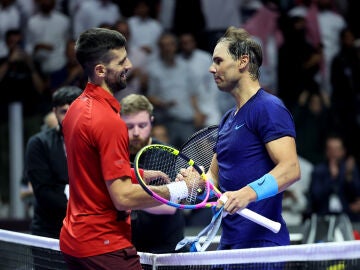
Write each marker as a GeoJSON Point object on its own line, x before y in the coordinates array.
{"type": "Point", "coordinates": [265, 187]}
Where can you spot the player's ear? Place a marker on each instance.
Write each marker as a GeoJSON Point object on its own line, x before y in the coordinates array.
{"type": "Point", "coordinates": [243, 61]}
{"type": "Point", "coordinates": [100, 70]}
{"type": "Point", "coordinates": [152, 118]}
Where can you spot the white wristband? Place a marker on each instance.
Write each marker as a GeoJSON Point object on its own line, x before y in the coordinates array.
{"type": "Point", "coordinates": [178, 191]}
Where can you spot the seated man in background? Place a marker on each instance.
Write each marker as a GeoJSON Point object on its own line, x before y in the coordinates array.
{"type": "Point", "coordinates": [157, 229]}
{"type": "Point", "coordinates": [335, 183]}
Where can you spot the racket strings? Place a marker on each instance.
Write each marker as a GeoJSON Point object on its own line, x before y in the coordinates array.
{"type": "Point", "coordinates": [155, 159]}
{"type": "Point", "coordinates": [195, 189]}
{"type": "Point", "coordinates": [200, 147]}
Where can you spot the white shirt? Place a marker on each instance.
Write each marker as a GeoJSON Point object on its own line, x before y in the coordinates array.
{"type": "Point", "coordinates": [144, 32]}
{"type": "Point", "coordinates": [9, 19]}
{"type": "Point", "coordinates": [199, 63]}
{"type": "Point", "coordinates": [54, 30]}
{"type": "Point", "coordinates": [93, 14]}
{"type": "Point", "coordinates": [221, 14]}
{"type": "Point", "coordinates": [173, 83]}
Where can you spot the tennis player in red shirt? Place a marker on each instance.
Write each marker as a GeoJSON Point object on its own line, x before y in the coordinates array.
{"type": "Point", "coordinates": [96, 232]}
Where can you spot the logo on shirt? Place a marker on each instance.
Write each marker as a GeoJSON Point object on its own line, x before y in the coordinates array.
{"type": "Point", "coordinates": [239, 126]}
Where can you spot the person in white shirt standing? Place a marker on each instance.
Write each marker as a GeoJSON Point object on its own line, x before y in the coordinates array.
{"type": "Point", "coordinates": [145, 30]}
{"type": "Point", "coordinates": [93, 14]}
{"type": "Point", "coordinates": [9, 19]}
{"type": "Point", "coordinates": [46, 37]}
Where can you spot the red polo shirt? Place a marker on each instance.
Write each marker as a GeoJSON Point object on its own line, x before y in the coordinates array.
{"type": "Point", "coordinates": [96, 141]}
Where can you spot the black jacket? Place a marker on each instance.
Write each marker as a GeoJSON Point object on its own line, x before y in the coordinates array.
{"type": "Point", "coordinates": [46, 170]}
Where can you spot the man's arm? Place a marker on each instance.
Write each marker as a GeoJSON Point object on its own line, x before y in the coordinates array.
{"type": "Point", "coordinates": [286, 171]}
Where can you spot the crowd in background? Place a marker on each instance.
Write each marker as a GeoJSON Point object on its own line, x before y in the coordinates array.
{"type": "Point", "coordinates": [311, 61]}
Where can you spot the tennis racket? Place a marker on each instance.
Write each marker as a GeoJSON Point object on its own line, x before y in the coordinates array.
{"type": "Point", "coordinates": [170, 161]}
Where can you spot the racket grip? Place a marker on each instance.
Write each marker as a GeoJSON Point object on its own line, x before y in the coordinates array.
{"type": "Point", "coordinates": [259, 219]}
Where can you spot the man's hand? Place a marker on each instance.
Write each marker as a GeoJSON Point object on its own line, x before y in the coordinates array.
{"type": "Point", "coordinates": [150, 175]}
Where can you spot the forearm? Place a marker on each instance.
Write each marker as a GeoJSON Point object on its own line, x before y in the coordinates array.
{"type": "Point", "coordinates": [286, 174]}
{"type": "Point", "coordinates": [161, 210]}
{"type": "Point", "coordinates": [126, 195]}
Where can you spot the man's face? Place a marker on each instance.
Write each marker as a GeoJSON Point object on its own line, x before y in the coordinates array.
{"type": "Point", "coordinates": [224, 68]}
{"type": "Point", "coordinates": [116, 70]}
{"type": "Point", "coordinates": [139, 129]}
{"type": "Point", "coordinates": [335, 149]}
{"type": "Point", "coordinates": [60, 112]}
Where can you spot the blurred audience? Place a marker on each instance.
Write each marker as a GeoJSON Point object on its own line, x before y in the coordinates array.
{"type": "Point", "coordinates": [345, 97]}
{"type": "Point", "coordinates": [307, 58]}
{"type": "Point", "coordinates": [219, 15]}
{"type": "Point", "coordinates": [10, 18]}
{"type": "Point", "coordinates": [45, 39]}
{"type": "Point", "coordinates": [174, 91]}
{"type": "Point", "coordinates": [198, 61]}
{"type": "Point", "coordinates": [263, 25]}
{"type": "Point", "coordinates": [94, 13]}
{"type": "Point", "coordinates": [145, 30]}
{"type": "Point", "coordinates": [72, 73]}
{"type": "Point", "coordinates": [312, 122]}
{"type": "Point", "coordinates": [335, 182]}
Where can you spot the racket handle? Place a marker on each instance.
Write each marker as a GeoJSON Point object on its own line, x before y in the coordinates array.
{"type": "Point", "coordinates": [255, 217]}
{"type": "Point", "coordinates": [259, 219]}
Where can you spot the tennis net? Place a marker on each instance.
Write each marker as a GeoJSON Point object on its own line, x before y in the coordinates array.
{"type": "Point", "coordinates": [23, 251]}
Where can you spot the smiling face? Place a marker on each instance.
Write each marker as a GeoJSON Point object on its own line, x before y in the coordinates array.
{"type": "Point", "coordinates": [115, 71]}
{"type": "Point", "coordinates": [224, 68]}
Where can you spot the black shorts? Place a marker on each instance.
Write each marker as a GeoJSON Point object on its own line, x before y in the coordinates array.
{"type": "Point", "coordinates": [126, 258]}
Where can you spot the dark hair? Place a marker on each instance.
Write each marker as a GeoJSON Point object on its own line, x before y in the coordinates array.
{"type": "Point", "coordinates": [65, 95]}
{"type": "Point", "coordinates": [12, 32]}
{"type": "Point", "coordinates": [241, 43]}
{"type": "Point", "coordinates": [93, 47]}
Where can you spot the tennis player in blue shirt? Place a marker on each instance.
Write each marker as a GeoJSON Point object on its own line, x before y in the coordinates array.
{"type": "Point", "coordinates": [255, 156]}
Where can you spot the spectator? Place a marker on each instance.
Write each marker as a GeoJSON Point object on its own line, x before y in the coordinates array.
{"type": "Point", "coordinates": [335, 182]}
{"type": "Point", "coordinates": [93, 14]}
{"type": "Point", "coordinates": [174, 97]}
{"type": "Point", "coordinates": [323, 28]}
{"type": "Point", "coordinates": [188, 17]}
{"type": "Point", "coordinates": [72, 73]}
{"type": "Point", "coordinates": [50, 121]}
{"type": "Point", "coordinates": [312, 122]}
{"type": "Point", "coordinates": [218, 16]}
{"type": "Point", "coordinates": [10, 18]}
{"type": "Point", "coordinates": [263, 25]}
{"type": "Point", "coordinates": [46, 169]}
{"type": "Point", "coordinates": [160, 133]}
{"type": "Point", "coordinates": [198, 61]}
{"type": "Point", "coordinates": [46, 35]}
{"type": "Point", "coordinates": [307, 58]}
{"type": "Point", "coordinates": [145, 30]}
{"type": "Point", "coordinates": [22, 83]}
{"type": "Point", "coordinates": [345, 97]}
{"type": "Point", "coordinates": [151, 231]}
